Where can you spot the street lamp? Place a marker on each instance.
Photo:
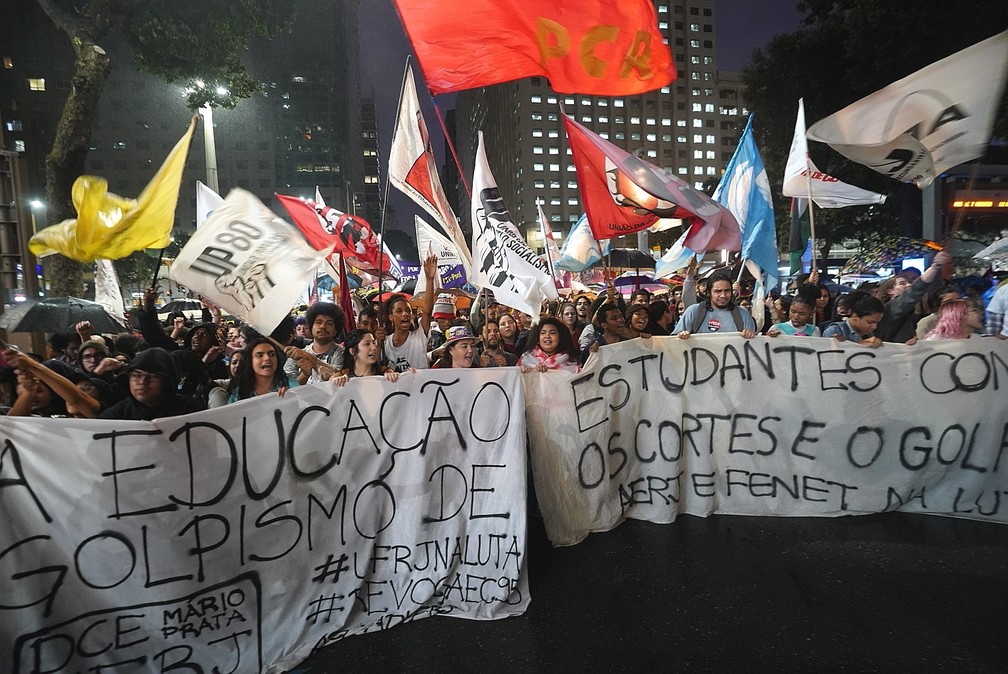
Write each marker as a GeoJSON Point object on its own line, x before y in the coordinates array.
{"type": "Point", "coordinates": [209, 144]}
{"type": "Point", "coordinates": [32, 286]}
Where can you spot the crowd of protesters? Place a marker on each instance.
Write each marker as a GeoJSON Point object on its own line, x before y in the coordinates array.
{"type": "Point", "coordinates": [177, 368]}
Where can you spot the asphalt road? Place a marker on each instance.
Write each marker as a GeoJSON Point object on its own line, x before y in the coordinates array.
{"type": "Point", "coordinates": [887, 593]}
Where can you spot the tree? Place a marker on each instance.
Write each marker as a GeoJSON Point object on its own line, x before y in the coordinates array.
{"type": "Point", "coordinates": [845, 51]}
{"type": "Point", "coordinates": [192, 41]}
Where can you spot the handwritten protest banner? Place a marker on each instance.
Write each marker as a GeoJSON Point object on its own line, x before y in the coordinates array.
{"type": "Point", "coordinates": [786, 426]}
{"type": "Point", "coordinates": [242, 538]}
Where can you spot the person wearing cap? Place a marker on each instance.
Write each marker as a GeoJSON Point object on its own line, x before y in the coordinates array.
{"type": "Point", "coordinates": [405, 344]}
{"type": "Point", "coordinates": [152, 385]}
{"type": "Point", "coordinates": [443, 315]}
{"type": "Point", "coordinates": [899, 296]}
{"type": "Point", "coordinates": [460, 348]}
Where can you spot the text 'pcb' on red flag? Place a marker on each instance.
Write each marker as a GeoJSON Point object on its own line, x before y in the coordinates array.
{"type": "Point", "coordinates": [582, 46]}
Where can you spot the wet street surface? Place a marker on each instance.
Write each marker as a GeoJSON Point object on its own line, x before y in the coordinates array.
{"type": "Point", "coordinates": [886, 593]}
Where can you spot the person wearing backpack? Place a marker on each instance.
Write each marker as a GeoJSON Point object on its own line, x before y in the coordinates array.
{"type": "Point", "coordinates": [717, 314]}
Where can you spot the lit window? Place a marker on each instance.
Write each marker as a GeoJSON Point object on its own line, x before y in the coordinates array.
{"type": "Point", "coordinates": [539, 184]}
{"type": "Point", "coordinates": [120, 145]}
{"type": "Point", "coordinates": [570, 168]}
{"type": "Point", "coordinates": [697, 138]}
{"type": "Point", "coordinates": [683, 170]}
{"type": "Point", "coordinates": [572, 217]}
{"type": "Point", "coordinates": [603, 103]}
{"type": "Point", "coordinates": [586, 119]}
{"type": "Point", "coordinates": [666, 90]}
{"type": "Point", "coordinates": [13, 125]}
{"type": "Point", "coordinates": [537, 149]}
{"type": "Point", "coordinates": [537, 167]}
{"type": "Point", "coordinates": [663, 25]}
{"type": "Point", "coordinates": [651, 137]}
{"type": "Point", "coordinates": [694, 75]}
{"type": "Point", "coordinates": [572, 202]}
{"type": "Point", "coordinates": [568, 101]}
{"type": "Point", "coordinates": [709, 107]}
{"type": "Point", "coordinates": [537, 99]}
{"type": "Point", "coordinates": [19, 146]}
{"type": "Point", "coordinates": [662, 9]}
{"type": "Point", "coordinates": [666, 122]}
{"type": "Point", "coordinates": [554, 184]}
{"type": "Point", "coordinates": [585, 101]}
{"type": "Point", "coordinates": [680, 139]}
{"type": "Point", "coordinates": [554, 167]}
{"type": "Point", "coordinates": [536, 116]}
{"type": "Point", "coordinates": [697, 107]}
{"type": "Point", "coordinates": [698, 154]}
{"type": "Point", "coordinates": [635, 120]}
{"type": "Point", "coordinates": [695, 59]}
{"type": "Point", "coordinates": [603, 120]}
{"type": "Point", "coordinates": [694, 27]}
{"type": "Point", "coordinates": [537, 133]}
{"type": "Point", "coordinates": [697, 123]}
{"type": "Point", "coordinates": [572, 184]}
{"type": "Point", "coordinates": [555, 201]}
{"type": "Point", "coordinates": [652, 153]}
{"type": "Point", "coordinates": [635, 136]}
{"type": "Point", "coordinates": [555, 217]}
{"type": "Point", "coordinates": [551, 100]}
{"type": "Point", "coordinates": [8, 63]}
{"type": "Point", "coordinates": [695, 44]}
{"type": "Point", "coordinates": [710, 154]}
{"type": "Point", "coordinates": [604, 134]}
{"type": "Point", "coordinates": [618, 103]}
{"type": "Point", "coordinates": [553, 133]}
{"type": "Point", "coordinates": [36, 83]}
{"type": "Point", "coordinates": [698, 185]}
{"type": "Point", "coordinates": [554, 150]}
{"type": "Point", "coordinates": [552, 117]}
{"type": "Point", "coordinates": [666, 137]}
{"type": "Point", "coordinates": [298, 78]}
{"type": "Point", "coordinates": [620, 135]}
{"type": "Point", "coordinates": [710, 140]}
{"type": "Point", "coordinates": [711, 170]}
{"type": "Point", "coordinates": [698, 170]}
{"type": "Point", "coordinates": [650, 121]}
{"type": "Point", "coordinates": [619, 119]}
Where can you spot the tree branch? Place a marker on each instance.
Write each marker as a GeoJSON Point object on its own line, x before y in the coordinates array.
{"type": "Point", "coordinates": [67, 22]}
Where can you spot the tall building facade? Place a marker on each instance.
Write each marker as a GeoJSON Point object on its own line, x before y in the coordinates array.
{"type": "Point", "coordinates": [301, 131]}
{"type": "Point", "coordinates": [689, 128]}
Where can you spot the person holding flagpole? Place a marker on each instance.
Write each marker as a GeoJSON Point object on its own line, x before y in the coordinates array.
{"type": "Point", "coordinates": [405, 346]}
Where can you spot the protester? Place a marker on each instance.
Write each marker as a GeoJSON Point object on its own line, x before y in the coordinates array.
{"type": "Point", "coordinates": [800, 324]}
{"type": "Point", "coordinates": [35, 395]}
{"type": "Point", "coordinates": [865, 314]}
{"type": "Point", "coordinates": [508, 328]}
{"type": "Point", "coordinates": [84, 397]}
{"type": "Point", "coordinates": [582, 304]}
{"type": "Point", "coordinates": [151, 382]}
{"type": "Point", "coordinates": [405, 345]}
{"type": "Point", "coordinates": [957, 319]}
{"type": "Point", "coordinates": [569, 317]}
{"type": "Point", "coordinates": [193, 380]}
{"type": "Point", "coordinates": [443, 315]}
{"type": "Point", "coordinates": [661, 319]}
{"type": "Point", "coordinates": [320, 359]}
{"type": "Point", "coordinates": [636, 321]}
{"type": "Point", "coordinates": [367, 320]}
{"type": "Point", "coordinates": [490, 351]}
{"type": "Point", "coordinates": [360, 359]}
{"type": "Point", "coordinates": [996, 325]}
{"type": "Point", "coordinates": [900, 294]}
{"type": "Point", "coordinates": [640, 296]}
{"type": "Point", "coordinates": [588, 334]}
{"type": "Point", "coordinates": [609, 329]}
{"type": "Point", "coordinates": [551, 348]}
{"type": "Point", "coordinates": [935, 300]}
{"type": "Point", "coordinates": [460, 348]}
{"type": "Point", "coordinates": [259, 371]}
{"type": "Point", "coordinates": [717, 313]}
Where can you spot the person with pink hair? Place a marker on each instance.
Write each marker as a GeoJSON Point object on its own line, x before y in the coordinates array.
{"type": "Point", "coordinates": [957, 319]}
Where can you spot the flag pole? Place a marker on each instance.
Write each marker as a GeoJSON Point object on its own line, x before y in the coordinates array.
{"type": "Point", "coordinates": [811, 216]}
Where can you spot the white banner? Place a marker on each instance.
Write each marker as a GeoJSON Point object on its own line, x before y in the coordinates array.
{"type": "Point", "coordinates": [248, 261]}
{"type": "Point", "coordinates": [502, 261]}
{"type": "Point", "coordinates": [804, 427]}
{"type": "Point", "coordinates": [927, 122]}
{"type": "Point", "coordinates": [243, 538]}
{"type": "Point", "coordinates": [107, 290]}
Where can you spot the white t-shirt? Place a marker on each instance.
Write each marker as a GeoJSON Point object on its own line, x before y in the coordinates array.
{"type": "Point", "coordinates": [413, 352]}
{"type": "Point", "coordinates": [999, 305]}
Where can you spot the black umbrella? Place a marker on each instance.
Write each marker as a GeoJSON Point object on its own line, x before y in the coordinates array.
{"type": "Point", "coordinates": [179, 306]}
{"type": "Point", "coordinates": [58, 314]}
{"type": "Point", "coordinates": [628, 258]}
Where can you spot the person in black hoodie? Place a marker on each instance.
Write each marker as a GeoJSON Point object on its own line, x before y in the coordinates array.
{"type": "Point", "coordinates": [152, 383]}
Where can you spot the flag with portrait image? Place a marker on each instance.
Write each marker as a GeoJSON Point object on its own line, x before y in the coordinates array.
{"type": "Point", "coordinates": [502, 260]}
{"type": "Point", "coordinates": [597, 47]}
{"type": "Point", "coordinates": [623, 194]}
{"type": "Point", "coordinates": [927, 122]}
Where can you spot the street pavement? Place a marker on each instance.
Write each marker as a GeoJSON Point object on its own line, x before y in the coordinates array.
{"type": "Point", "coordinates": [881, 593]}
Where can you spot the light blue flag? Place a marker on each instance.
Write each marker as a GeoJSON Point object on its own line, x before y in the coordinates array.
{"type": "Point", "coordinates": [580, 249]}
{"type": "Point", "coordinates": [745, 191]}
{"type": "Point", "coordinates": [675, 258]}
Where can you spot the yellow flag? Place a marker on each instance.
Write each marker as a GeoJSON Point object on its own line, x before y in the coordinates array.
{"type": "Point", "coordinates": [112, 227]}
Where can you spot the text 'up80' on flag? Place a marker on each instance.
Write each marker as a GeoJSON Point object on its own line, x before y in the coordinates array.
{"type": "Point", "coordinates": [502, 261]}
{"type": "Point", "coordinates": [600, 47]}
{"type": "Point", "coordinates": [927, 122]}
{"type": "Point", "coordinates": [248, 261]}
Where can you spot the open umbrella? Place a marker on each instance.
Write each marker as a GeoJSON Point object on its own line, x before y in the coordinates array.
{"type": "Point", "coordinates": [995, 252]}
{"type": "Point", "coordinates": [59, 315]}
{"type": "Point", "coordinates": [180, 306]}
{"type": "Point", "coordinates": [888, 252]}
{"type": "Point", "coordinates": [628, 258]}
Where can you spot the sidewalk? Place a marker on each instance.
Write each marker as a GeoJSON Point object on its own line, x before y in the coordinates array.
{"type": "Point", "coordinates": [887, 592]}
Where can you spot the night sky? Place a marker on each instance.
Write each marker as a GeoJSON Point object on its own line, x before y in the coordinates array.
{"type": "Point", "coordinates": [741, 26]}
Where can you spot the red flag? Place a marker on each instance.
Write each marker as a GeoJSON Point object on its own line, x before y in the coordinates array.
{"type": "Point", "coordinates": [597, 47]}
{"type": "Point", "coordinates": [344, 297]}
{"type": "Point", "coordinates": [324, 226]}
{"type": "Point", "coordinates": [623, 194]}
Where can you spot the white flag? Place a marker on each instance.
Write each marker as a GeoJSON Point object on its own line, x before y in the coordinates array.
{"type": "Point", "coordinates": [248, 261]}
{"type": "Point", "coordinates": [801, 174]}
{"type": "Point", "coordinates": [503, 261]}
{"type": "Point", "coordinates": [107, 290]}
{"type": "Point", "coordinates": [450, 267]}
{"type": "Point", "coordinates": [562, 277]}
{"type": "Point", "coordinates": [413, 169]}
{"type": "Point", "coordinates": [927, 122]}
{"type": "Point", "coordinates": [207, 201]}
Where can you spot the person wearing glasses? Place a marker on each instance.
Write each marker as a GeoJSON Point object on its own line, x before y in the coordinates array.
{"type": "Point", "coordinates": [152, 384]}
